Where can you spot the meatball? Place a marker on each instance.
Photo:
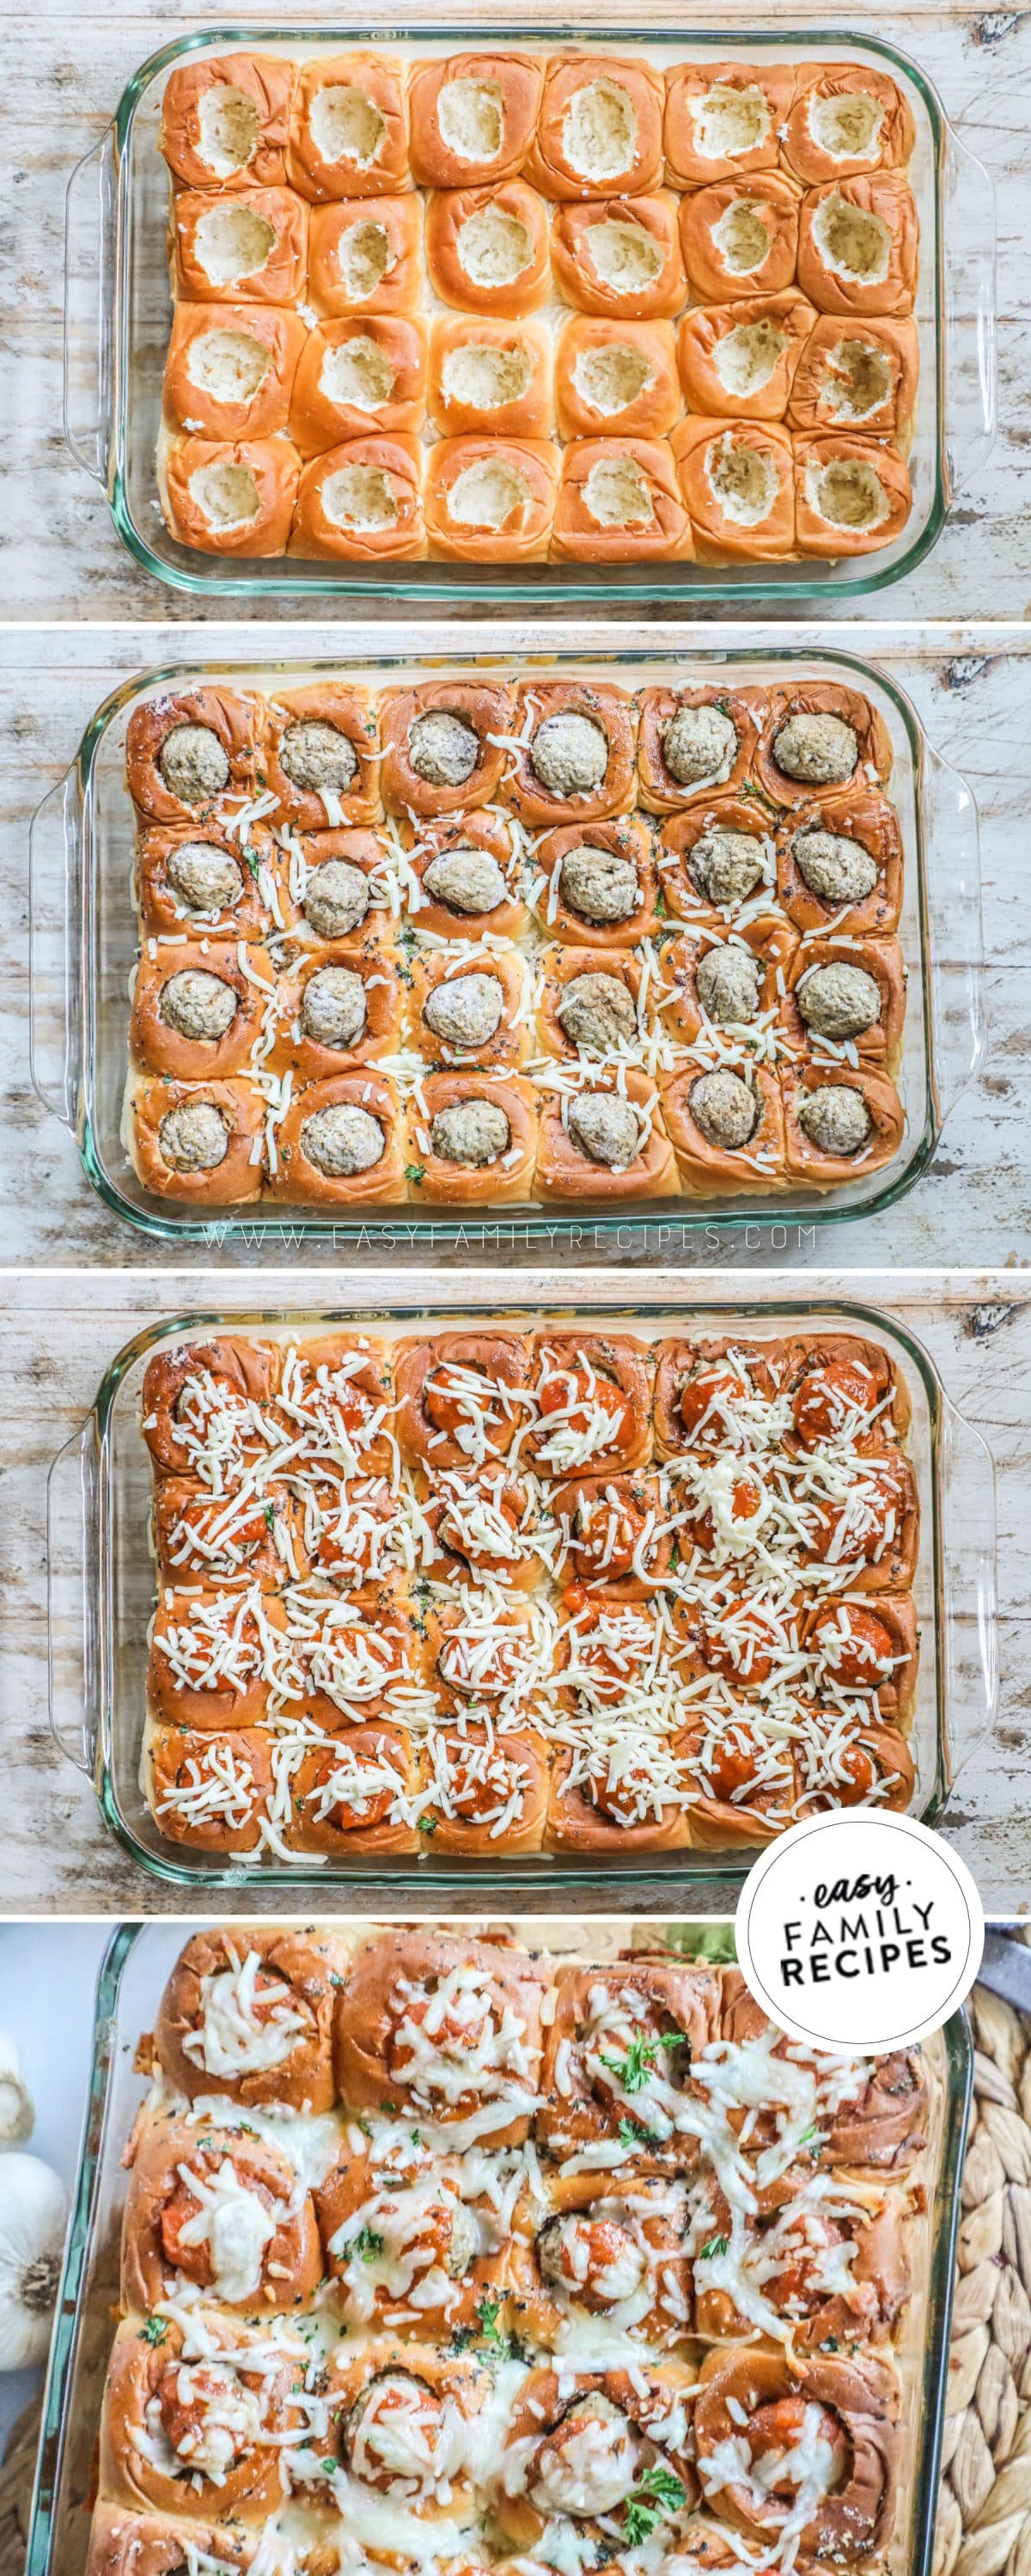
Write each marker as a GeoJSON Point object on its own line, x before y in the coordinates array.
{"type": "Point", "coordinates": [568, 2259]}
{"type": "Point", "coordinates": [727, 866]}
{"type": "Point", "coordinates": [199, 1005]}
{"type": "Point", "coordinates": [318, 756]}
{"type": "Point", "coordinates": [725, 1109]}
{"type": "Point", "coordinates": [467, 880]}
{"type": "Point", "coordinates": [193, 763]}
{"type": "Point", "coordinates": [597, 1013]}
{"type": "Point", "coordinates": [606, 1128]}
{"type": "Point", "coordinates": [205, 879]}
{"type": "Point", "coordinates": [471, 1131]}
{"type": "Point", "coordinates": [729, 983]}
{"type": "Point", "coordinates": [336, 899]}
{"type": "Point", "coordinates": [835, 1118]}
{"type": "Point", "coordinates": [569, 754]}
{"type": "Point", "coordinates": [333, 1007]}
{"type": "Point", "coordinates": [833, 867]}
{"type": "Point", "coordinates": [598, 884]}
{"type": "Point", "coordinates": [591, 2461]}
{"type": "Point", "coordinates": [466, 1011]}
{"type": "Point", "coordinates": [821, 750]}
{"type": "Point", "coordinates": [839, 1001]}
{"type": "Point", "coordinates": [342, 1140]}
{"type": "Point", "coordinates": [443, 749]}
{"type": "Point", "coordinates": [194, 1137]}
{"type": "Point", "coordinates": [699, 743]}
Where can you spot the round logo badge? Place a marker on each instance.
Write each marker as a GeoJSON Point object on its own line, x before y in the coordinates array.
{"type": "Point", "coordinates": [859, 1932]}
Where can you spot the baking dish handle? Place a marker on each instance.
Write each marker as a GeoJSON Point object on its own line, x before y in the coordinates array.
{"type": "Point", "coordinates": [90, 234]}
{"type": "Point", "coordinates": [970, 303]}
{"type": "Point", "coordinates": [968, 1570]}
{"type": "Point", "coordinates": [55, 911]}
{"type": "Point", "coordinates": [953, 878]}
{"type": "Point", "coordinates": [72, 1554]}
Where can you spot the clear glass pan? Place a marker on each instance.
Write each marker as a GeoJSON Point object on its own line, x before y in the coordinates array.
{"type": "Point", "coordinates": [84, 944]}
{"type": "Point", "coordinates": [118, 314]}
{"type": "Point", "coordinates": [101, 1591]}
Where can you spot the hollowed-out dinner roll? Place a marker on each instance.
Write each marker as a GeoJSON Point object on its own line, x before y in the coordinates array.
{"type": "Point", "coordinates": [362, 501]}
{"type": "Point", "coordinates": [472, 117]}
{"type": "Point", "coordinates": [599, 885]}
{"type": "Point", "coordinates": [857, 375]}
{"type": "Point", "coordinates": [741, 360]}
{"type": "Point", "coordinates": [599, 131]}
{"type": "Point", "coordinates": [487, 374]}
{"type": "Point", "coordinates": [621, 258]}
{"type": "Point", "coordinates": [333, 884]}
{"type": "Point", "coordinates": [438, 752]}
{"type": "Point", "coordinates": [197, 1011]}
{"type": "Point", "coordinates": [197, 880]}
{"type": "Point", "coordinates": [619, 501]}
{"type": "Point", "coordinates": [473, 1139]}
{"type": "Point", "coordinates": [187, 749]}
{"type": "Point", "coordinates": [740, 238]}
{"type": "Point", "coordinates": [230, 369]}
{"type": "Point", "coordinates": [737, 479]}
{"type": "Point", "coordinates": [839, 1124]}
{"type": "Point", "coordinates": [727, 1129]}
{"type": "Point", "coordinates": [235, 498]}
{"type": "Point", "coordinates": [690, 742]}
{"type": "Point", "coordinates": [224, 122]}
{"type": "Point", "coordinates": [357, 375]}
{"type": "Point", "coordinates": [487, 248]}
{"type": "Point", "coordinates": [725, 978]}
{"type": "Point", "coordinates": [335, 1009]}
{"type": "Point", "coordinates": [821, 738]}
{"type": "Point", "coordinates": [576, 760]}
{"type": "Point", "coordinates": [348, 129]}
{"type": "Point", "coordinates": [843, 990]}
{"type": "Point", "coordinates": [248, 248]}
{"type": "Point", "coordinates": [716, 858]}
{"type": "Point", "coordinates": [366, 257]}
{"type": "Point", "coordinates": [851, 494]}
{"type": "Point", "coordinates": [846, 118]}
{"type": "Point", "coordinates": [843, 865]}
{"type": "Point", "coordinates": [616, 380]}
{"type": "Point", "coordinates": [724, 120]}
{"type": "Point", "coordinates": [607, 1141]}
{"type": "Point", "coordinates": [198, 1142]}
{"type": "Point", "coordinates": [858, 245]}
{"type": "Point", "coordinates": [468, 882]}
{"type": "Point", "coordinates": [341, 1143]}
{"type": "Point", "coordinates": [469, 1007]}
{"type": "Point", "coordinates": [321, 755]}
{"type": "Point", "coordinates": [491, 500]}
{"type": "Point", "coordinates": [589, 1003]}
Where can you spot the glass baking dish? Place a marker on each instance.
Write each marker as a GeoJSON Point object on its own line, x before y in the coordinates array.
{"type": "Point", "coordinates": [138, 1960]}
{"type": "Point", "coordinates": [118, 317]}
{"type": "Point", "coordinates": [101, 1592]}
{"type": "Point", "coordinates": [84, 943]}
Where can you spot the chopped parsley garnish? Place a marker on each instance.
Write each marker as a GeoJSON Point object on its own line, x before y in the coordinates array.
{"type": "Point", "coordinates": [368, 2244]}
{"type": "Point", "coordinates": [154, 2330]}
{"type": "Point", "coordinates": [487, 2313]}
{"type": "Point", "coordinates": [426, 1825]}
{"type": "Point", "coordinates": [631, 2134]}
{"type": "Point", "coordinates": [716, 2245]}
{"type": "Point", "coordinates": [330, 2467]}
{"type": "Point", "coordinates": [270, 1516]}
{"type": "Point", "coordinates": [415, 1172]}
{"type": "Point", "coordinates": [656, 2494]}
{"type": "Point", "coordinates": [633, 2069]}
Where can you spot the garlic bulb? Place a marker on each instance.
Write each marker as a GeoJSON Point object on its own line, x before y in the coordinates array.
{"type": "Point", "coordinates": [33, 2209]}
{"type": "Point", "coordinates": [17, 2111]}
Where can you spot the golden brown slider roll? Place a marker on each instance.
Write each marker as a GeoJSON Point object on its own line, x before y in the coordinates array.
{"type": "Point", "coordinates": [614, 1807]}
{"type": "Point", "coordinates": [611, 2251]}
{"type": "Point", "coordinates": [232, 1539]}
{"type": "Point", "coordinates": [692, 741]}
{"type": "Point", "coordinates": [337, 1009]}
{"type": "Point", "coordinates": [715, 859]}
{"type": "Point", "coordinates": [150, 2544]}
{"type": "Point", "coordinates": [860, 375]}
{"type": "Point", "coordinates": [727, 1130]}
{"type": "Point", "coordinates": [199, 879]}
{"type": "Point", "coordinates": [429, 2224]}
{"type": "Point", "coordinates": [366, 258]}
{"type": "Point", "coordinates": [847, 996]}
{"type": "Point", "coordinates": [200, 1142]}
{"type": "Point", "coordinates": [356, 1654]}
{"type": "Point", "coordinates": [348, 130]}
{"type": "Point", "coordinates": [490, 1797]}
{"type": "Point", "coordinates": [599, 131]}
{"type": "Point", "coordinates": [341, 887]}
{"type": "Point", "coordinates": [581, 2441]}
{"type": "Point", "coordinates": [214, 1657]}
{"type": "Point", "coordinates": [874, 2118]}
{"type": "Point", "coordinates": [471, 1006]}
{"type": "Point", "coordinates": [589, 1002]}
{"type": "Point", "coordinates": [473, 118]}
{"type": "Point", "coordinates": [843, 1387]}
{"type": "Point", "coordinates": [230, 369]}
{"type": "Point", "coordinates": [789, 2258]}
{"type": "Point", "coordinates": [842, 864]}
{"type": "Point", "coordinates": [356, 1795]}
{"type": "Point", "coordinates": [740, 238]}
{"type": "Point", "coordinates": [753, 2401]}
{"type": "Point", "coordinates": [596, 2076]}
{"type": "Point", "coordinates": [321, 758]}
{"type": "Point", "coordinates": [487, 248]}
{"type": "Point", "coordinates": [727, 980]}
{"type": "Point", "coordinates": [206, 1790]}
{"type": "Point", "coordinates": [600, 885]}
{"type": "Point", "coordinates": [474, 1139]}
{"type": "Point", "coordinates": [608, 1141]}
{"type": "Point", "coordinates": [491, 500]}
{"type": "Point", "coordinates": [737, 479]}
{"type": "Point", "coordinates": [724, 119]}
{"type": "Point", "coordinates": [481, 1523]}
{"type": "Point", "coordinates": [622, 258]}
{"type": "Point", "coordinates": [182, 2392]}
{"type": "Point", "coordinates": [362, 502]}
{"type": "Point", "coordinates": [741, 359]}
{"type": "Point", "coordinates": [491, 375]}
{"type": "Point", "coordinates": [232, 499]}
{"type": "Point", "coordinates": [333, 1392]}
{"type": "Point", "coordinates": [439, 2396]}
{"type": "Point", "coordinates": [248, 248]}
{"type": "Point", "coordinates": [356, 375]}
{"type": "Point", "coordinates": [341, 1143]}
{"type": "Point", "coordinates": [249, 2012]}
{"type": "Point", "coordinates": [224, 121]}
{"type": "Point", "coordinates": [611, 1532]}
{"type": "Point", "coordinates": [819, 738]}
{"type": "Point", "coordinates": [858, 245]}
{"type": "Point", "coordinates": [851, 494]}
{"type": "Point", "coordinates": [197, 1012]}
{"type": "Point", "coordinates": [701, 1387]}
{"type": "Point", "coordinates": [846, 118]}
{"type": "Point", "coordinates": [187, 751]}
{"type": "Point", "coordinates": [221, 2211]}
{"type": "Point", "coordinates": [576, 762]}
{"type": "Point", "coordinates": [839, 1125]}
{"type": "Point", "coordinates": [842, 1764]}
{"type": "Point", "coordinates": [440, 755]}
{"type": "Point", "coordinates": [446, 2026]}
{"type": "Point", "coordinates": [739, 1779]}
{"type": "Point", "coordinates": [196, 1395]}
{"type": "Point", "coordinates": [467, 872]}
{"type": "Point", "coordinates": [620, 380]}
{"type": "Point", "coordinates": [461, 1398]}
{"type": "Point", "coordinates": [593, 1395]}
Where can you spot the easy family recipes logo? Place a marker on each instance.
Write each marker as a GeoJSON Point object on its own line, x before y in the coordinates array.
{"type": "Point", "coordinates": [859, 1931]}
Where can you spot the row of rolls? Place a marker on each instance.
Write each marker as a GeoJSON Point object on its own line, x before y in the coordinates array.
{"type": "Point", "coordinates": [466, 2254]}
{"type": "Point", "coordinates": [480, 944]}
{"type": "Point", "coordinates": [492, 1593]}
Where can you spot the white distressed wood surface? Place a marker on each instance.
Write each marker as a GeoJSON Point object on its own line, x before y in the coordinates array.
{"type": "Point", "coordinates": [65, 68]}
{"type": "Point", "coordinates": [971, 688]}
{"type": "Point", "coordinates": [57, 1335]}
